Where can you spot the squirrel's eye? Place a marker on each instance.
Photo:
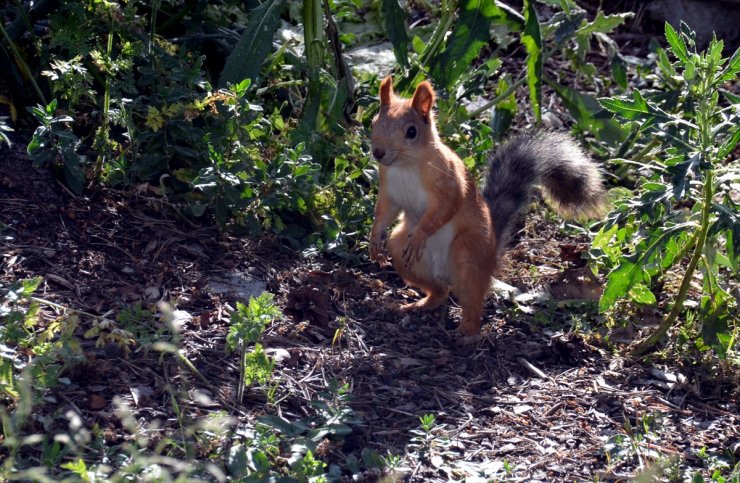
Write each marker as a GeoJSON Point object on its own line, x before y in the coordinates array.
{"type": "Point", "coordinates": [411, 132]}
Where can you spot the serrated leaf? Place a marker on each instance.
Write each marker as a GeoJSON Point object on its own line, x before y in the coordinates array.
{"type": "Point", "coordinates": [714, 52]}
{"type": "Point", "coordinates": [583, 108]}
{"type": "Point", "coordinates": [732, 68]}
{"type": "Point", "coordinates": [680, 171]}
{"type": "Point", "coordinates": [30, 285]}
{"type": "Point", "coordinates": [471, 33]}
{"type": "Point", "coordinates": [641, 294]}
{"type": "Point", "coordinates": [620, 281]}
{"type": "Point", "coordinates": [619, 71]}
{"type": "Point", "coordinates": [604, 23]}
{"type": "Point", "coordinates": [532, 40]}
{"type": "Point", "coordinates": [638, 109]}
{"type": "Point", "coordinates": [245, 61]}
{"type": "Point", "coordinates": [678, 47]}
{"type": "Point", "coordinates": [394, 21]}
{"type": "Point", "coordinates": [567, 25]}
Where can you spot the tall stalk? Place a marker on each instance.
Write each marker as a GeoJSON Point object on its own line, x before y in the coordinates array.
{"type": "Point", "coordinates": [699, 241]}
{"type": "Point", "coordinates": [705, 114]}
{"type": "Point", "coordinates": [104, 131]}
{"type": "Point", "coordinates": [313, 37]}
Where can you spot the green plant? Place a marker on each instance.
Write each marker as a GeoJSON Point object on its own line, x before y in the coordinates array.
{"type": "Point", "coordinates": [19, 316]}
{"type": "Point", "coordinates": [257, 454]}
{"type": "Point", "coordinates": [429, 446]}
{"type": "Point", "coordinates": [55, 144]}
{"type": "Point", "coordinates": [683, 210]}
{"type": "Point", "coordinates": [635, 442]}
{"type": "Point", "coordinates": [5, 128]}
{"type": "Point", "coordinates": [52, 345]}
{"type": "Point", "coordinates": [248, 322]}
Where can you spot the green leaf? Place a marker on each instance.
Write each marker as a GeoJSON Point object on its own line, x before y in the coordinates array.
{"type": "Point", "coordinates": [418, 45]}
{"type": "Point", "coordinates": [678, 46]}
{"type": "Point", "coordinates": [504, 112]}
{"type": "Point", "coordinates": [619, 71]}
{"type": "Point", "coordinates": [567, 25]}
{"type": "Point", "coordinates": [641, 294]}
{"type": "Point", "coordinates": [471, 33]}
{"type": "Point", "coordinates": [732, 245]}
{"type": "Point", "coordinates": [283, 425]}
{"type": "Point", "coordinates": [604, 23]}
{"type": "Point", "coordinates": [77, 467]}
{"type": "Point", "coordinates": [638, 109]}
{"type": "Point", "coordinates": [726, 148]}
{"type": "Point", "coordinates": [732, 98]}
{"type": "Point", "coordinates": [30, 285]}
{"type": "Point", "coordinates": [245, 61]}
{"type": "Point", "coordinates": [680, 174]}
{"type": "Point", "coordinates": [236, 460]}
{"type": "Point", "coordinates": [394, 21]}
{"type": "Point", "coordinates": [532, 40]}
{"type": "Point", "coordinates": [73, 173]}
{"type": "Point", "coordinates": [733, 67]}
{"type": "Point", "coordinates": [583, 108]}
{"type": "Point", "coordinates": [620, 281]}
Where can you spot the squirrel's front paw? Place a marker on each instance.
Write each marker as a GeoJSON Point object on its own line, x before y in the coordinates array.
{"type": "Point", "coordinates": [377, 254]}
{"type": "Point", "coordinates": [414, 248]}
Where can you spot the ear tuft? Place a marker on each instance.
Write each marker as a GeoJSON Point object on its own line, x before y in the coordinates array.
{"type": "Point", "coordinates": [386, 91]}
{"type": "Point", "coordinates": [423, 100]}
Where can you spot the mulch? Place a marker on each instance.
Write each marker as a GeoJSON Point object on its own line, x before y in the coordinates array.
{"type": "Point", "coordinates": [537, 397]}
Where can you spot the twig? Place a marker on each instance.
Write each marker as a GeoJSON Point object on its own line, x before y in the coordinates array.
{"type": "Point", "coordinates": [537, 372]}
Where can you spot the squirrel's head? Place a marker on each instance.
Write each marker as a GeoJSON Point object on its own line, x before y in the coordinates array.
{"type": "Point", "coordinates": [404, 128]}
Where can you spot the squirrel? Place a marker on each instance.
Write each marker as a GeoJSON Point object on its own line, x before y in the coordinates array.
{"type": "Point", "coordinates": [451, 236]}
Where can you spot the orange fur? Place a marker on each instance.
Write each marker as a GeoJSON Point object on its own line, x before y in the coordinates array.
{"type": "Point", "coordinates": [445, 238]}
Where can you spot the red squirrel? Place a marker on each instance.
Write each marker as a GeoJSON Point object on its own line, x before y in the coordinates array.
{"type": "Point", "coordinates": [451, 235]}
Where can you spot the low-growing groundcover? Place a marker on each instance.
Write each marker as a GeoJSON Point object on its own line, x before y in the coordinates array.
{"type": "Point", "coordinates": [124, 358]}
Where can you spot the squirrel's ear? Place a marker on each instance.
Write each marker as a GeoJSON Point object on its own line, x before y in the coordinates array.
{"type": "Point", "coordinates": [386, 91]}
{"type": "Point", "coordinates": [423, 100]}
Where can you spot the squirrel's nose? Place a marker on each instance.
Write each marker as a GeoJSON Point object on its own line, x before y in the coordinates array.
{"type": "Point", "coordinates": [378, 153]}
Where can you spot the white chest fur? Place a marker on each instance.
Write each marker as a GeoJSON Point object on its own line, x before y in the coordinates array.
{"type": "Point", "coordinates": [406, 191]}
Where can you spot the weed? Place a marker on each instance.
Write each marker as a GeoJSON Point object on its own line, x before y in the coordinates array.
{"type": "Point", "coordinates": [683, 209]}
{"type": "Point", "coordinates": [248, 322]}
{"type": "Point", "coordinates": [55, 144]}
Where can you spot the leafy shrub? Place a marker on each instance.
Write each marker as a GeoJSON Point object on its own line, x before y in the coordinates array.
{"type": "Point", "coordinates": [54, 143]}
{"type": "Point", "coordinates": [53, 346]}
{"type": "Point", "coordinates": [683, 216]}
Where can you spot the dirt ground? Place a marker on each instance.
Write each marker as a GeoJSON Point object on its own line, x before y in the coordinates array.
{"type": "Point", "coordinates": [539, 396]}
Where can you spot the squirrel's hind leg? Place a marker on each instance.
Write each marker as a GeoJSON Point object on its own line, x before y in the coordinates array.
{"type": "Point", "coordinates": [418, 274]}
{"type": "Point", "coordinates": [473, 264]}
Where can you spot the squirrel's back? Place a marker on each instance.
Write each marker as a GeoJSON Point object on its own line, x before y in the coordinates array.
{"type": "Point", "coordinates": [552, 160]}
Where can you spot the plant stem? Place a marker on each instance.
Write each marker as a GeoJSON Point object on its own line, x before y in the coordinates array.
{"type": "Point", "coordinates": [704, 115]}
{"type": "Point", "coordinates": [104, 128]}
{"type": "Point", "coordinates": [242, 369]}
{"type": "Point", "coordinates": [498, 98]}
{"type": "Point", "coordinates": [23, 65]}
{"type": "Point", "coordinates": [67, 309]}
{"type": "Point", "coordinates": [683, 290]}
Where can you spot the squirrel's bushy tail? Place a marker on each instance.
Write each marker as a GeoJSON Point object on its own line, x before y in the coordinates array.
{"type": "Point", "coordinates": [570, 180]}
